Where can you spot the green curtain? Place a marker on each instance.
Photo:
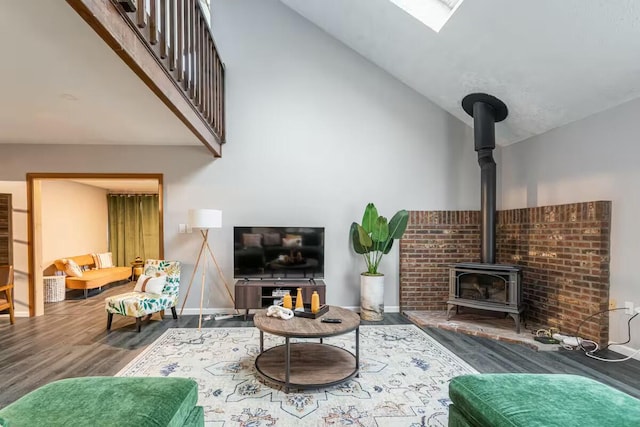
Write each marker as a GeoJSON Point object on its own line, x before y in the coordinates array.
{"type": "Point", "coordinates": [133, 227]}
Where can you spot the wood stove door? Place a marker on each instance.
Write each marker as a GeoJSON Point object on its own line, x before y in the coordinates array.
{"type": "Point", "coordinates": [483, 287]}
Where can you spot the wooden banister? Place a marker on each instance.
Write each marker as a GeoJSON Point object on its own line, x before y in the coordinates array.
{"type": "Point", "coordinates": [167, 75]}
{"type": "Point", "coordinates": [178, 34]}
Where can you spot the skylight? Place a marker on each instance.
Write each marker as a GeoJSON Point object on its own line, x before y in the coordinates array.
{"type": "Point", "coordinates": [432, 13]}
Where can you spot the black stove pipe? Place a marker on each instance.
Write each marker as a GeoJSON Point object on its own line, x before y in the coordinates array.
{"type": "Point", "coordinates": [486, 110]}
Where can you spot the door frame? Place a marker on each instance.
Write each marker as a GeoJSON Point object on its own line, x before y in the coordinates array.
{"type": "Point", "coordinates": [33, 202]}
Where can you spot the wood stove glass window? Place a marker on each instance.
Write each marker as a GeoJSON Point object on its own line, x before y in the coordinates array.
{"type": "Point", "coordinates": [483, 287]}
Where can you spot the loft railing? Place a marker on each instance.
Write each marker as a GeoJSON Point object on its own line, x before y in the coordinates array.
{"type": "Point", "coordinates": [177, 33]}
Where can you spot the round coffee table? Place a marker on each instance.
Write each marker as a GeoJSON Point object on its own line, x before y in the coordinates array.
{"type": "Point", "coordinates": [308, 364]}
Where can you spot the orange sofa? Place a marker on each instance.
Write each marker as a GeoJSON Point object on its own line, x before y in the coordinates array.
{"type": "Point", "coordinates": [93, 278]}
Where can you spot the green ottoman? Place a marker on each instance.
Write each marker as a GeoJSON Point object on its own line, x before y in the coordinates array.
{"type": "Point", "coordinates": [538, 400]}
{"type": "Point", "coordinates": [108, 401]}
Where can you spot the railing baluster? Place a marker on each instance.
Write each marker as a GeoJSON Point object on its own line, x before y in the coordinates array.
{"type": "Point", "coordinates": [187, 44]}
{"type": "Point", "coordinates": [207, 74]}
{"type": "Point", "coordinates": [180, 44]}
{"type": "Point", "coordinates": [192, 53]}
{"type": "Point", "coordinates": [153, 22]}
{"type": "Point", "coordinates": [203, 25]}
{"type": "Point", "coordinates": [141, 14]}
{"type": "Point", "coordinates": [163, 29]}
{"type": "Point", "coordinates": [172, 35]}
{"type": "Point", "coordinates": [217, 97]}
{"type": "Point", "coordinates": [216, 120]}
{"type": "Point", "coordinates": [187, 51]}
{"type": "Point", "coordinates": [222, 104]}
{"type": "Point", "coordinates": [200, 92]}
{"type": "Point", "coordinates": [196, 55]}
{"type": "Point", "coordinates": [188, 60]}
{"type": "Point", "coordinates": [213, 86]}
{"type": "Point", "coordinates": [213, 83]}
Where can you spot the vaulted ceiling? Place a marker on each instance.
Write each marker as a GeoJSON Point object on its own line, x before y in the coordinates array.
{"type": "Point", "coordinates": [552, 62]}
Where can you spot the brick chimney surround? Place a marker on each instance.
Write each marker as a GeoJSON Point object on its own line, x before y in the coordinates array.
{"type": "Point", "coordinates": [563, 251]}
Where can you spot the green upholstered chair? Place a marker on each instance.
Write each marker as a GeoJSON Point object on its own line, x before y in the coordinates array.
{"type": "Point", "coordinates": [141, 304]}
{"type": "Point", "coordinates": [538, 400]}
{"type": "Point", "coordinates": [108, 401]}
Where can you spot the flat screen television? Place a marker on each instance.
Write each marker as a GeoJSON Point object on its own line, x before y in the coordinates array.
{"type": "Point", "coordinates": [278, 252]}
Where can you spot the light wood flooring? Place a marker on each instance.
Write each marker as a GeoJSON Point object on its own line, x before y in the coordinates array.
{"type": "Point", "coordinates": [71, 340]}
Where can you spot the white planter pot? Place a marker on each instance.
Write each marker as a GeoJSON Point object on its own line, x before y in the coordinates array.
{"type": "Point", "coordinates": [371, 297]}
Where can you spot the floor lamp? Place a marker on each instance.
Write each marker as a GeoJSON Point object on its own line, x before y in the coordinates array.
{"type": "Point", "coordinates": [204, 220]}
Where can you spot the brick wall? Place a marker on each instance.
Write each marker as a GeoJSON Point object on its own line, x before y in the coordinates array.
{"type": "Point", "coordinates": [563, 251]}
{"type": "Point", "coordinates": [433, 241]}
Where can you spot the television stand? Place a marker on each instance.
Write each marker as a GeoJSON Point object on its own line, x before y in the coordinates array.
{"type": "Point", "coordinates": [258, 294]}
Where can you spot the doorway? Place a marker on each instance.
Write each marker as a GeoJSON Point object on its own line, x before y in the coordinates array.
{"type": "Point", "coordinates": [130, 183]}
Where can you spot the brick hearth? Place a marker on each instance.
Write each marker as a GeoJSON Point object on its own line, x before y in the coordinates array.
{"type": "Point", "coordinates": [563, 251]}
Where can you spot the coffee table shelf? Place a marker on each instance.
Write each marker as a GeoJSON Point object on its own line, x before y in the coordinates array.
{"type": "Point", "coordinates": [304, 365]}
{"type": "Point", "coordinates": [313, 365]}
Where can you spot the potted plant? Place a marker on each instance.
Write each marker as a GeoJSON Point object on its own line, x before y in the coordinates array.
{"type": "Point", "coordinates": [373, 239]}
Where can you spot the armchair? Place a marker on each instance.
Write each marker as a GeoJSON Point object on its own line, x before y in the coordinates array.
{"type": "Point", "coordinates": [141, 304]}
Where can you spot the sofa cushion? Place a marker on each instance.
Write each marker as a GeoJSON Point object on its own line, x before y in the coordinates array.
{"type": "Point", "coordinates": [95, 278]}
{"type": "Point", "coordinates": [81, 260]}
{"type": "Point", "coordinates": [106, 401]}
{"type": "Point", "coordinates": [540, 400]}
{"type": "Point", "coordinates": [138, 304]}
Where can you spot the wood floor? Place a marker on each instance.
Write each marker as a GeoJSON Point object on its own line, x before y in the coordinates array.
{"type": "Point", "coordinates": [71, 340]}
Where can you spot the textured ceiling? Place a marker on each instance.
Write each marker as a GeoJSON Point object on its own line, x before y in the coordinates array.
{"type": "Point", "coordinates": [552, 62]}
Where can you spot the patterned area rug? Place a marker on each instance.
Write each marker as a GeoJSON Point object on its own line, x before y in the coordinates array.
{"type": "Point", "coordinates": [404, 378]}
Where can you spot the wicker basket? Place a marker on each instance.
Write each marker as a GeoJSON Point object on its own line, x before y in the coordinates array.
{"type": "Point", "coordinates": [53, 288]}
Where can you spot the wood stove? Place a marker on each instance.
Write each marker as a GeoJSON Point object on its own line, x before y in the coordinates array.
{"type": "Point", "coordinates": [486, 285]}
{"type": "Point", "coordinates": [495, 287]}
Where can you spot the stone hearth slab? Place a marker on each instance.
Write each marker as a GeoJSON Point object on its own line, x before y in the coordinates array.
{"type": "Point", "coordinates": [496, 328]}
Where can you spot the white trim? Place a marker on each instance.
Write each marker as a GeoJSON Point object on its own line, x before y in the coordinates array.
{"type": "Point", "coordinates": [16, 314]}
{"type": "Point", "coordinates": [196, 311]}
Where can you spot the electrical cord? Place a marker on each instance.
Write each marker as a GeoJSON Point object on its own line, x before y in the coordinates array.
{"type": "Point", "coordinates": [596, 347]}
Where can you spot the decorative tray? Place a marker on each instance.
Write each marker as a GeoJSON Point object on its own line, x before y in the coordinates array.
{"type": "Point", "coordinates": [308, 314]}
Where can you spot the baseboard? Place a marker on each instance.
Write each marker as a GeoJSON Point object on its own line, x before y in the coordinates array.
{"type": "Point", "coordinates": [16, 314]}
{"type": "Point", "coordinates": [196, 311]}
{"type": "Point", "coordinates": [387, 308]}
{"type": "Point", "coordinates": [626, 351]}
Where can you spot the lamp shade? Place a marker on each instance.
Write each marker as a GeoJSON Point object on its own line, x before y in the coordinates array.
{"type": "Point", "coordinates": [205, 218]}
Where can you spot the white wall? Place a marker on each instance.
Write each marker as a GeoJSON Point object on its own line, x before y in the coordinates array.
{"type": "Point", "coordinates": [314, 133]}
{"type": "Point", "coordinates": [18, 191]}
{"type": "Point", "coordinates": [74, 220]}
{"type": "Point", "coordinates": [592, 159]}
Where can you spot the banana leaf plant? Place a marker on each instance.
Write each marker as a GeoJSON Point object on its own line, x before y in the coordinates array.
{"type": "Point", "coordinates": [374, 238]}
